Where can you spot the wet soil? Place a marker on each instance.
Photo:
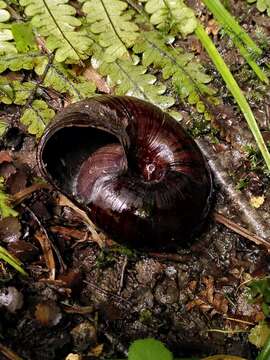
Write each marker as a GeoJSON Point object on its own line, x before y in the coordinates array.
{"type": "Point", "coordinates": [192, 299]}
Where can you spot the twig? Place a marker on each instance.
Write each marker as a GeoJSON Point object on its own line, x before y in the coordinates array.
{"type": "Point", "coordinates": [64, 201]}
{"type": "Point", "coordinates": [122, 275]}
{"type": "Point", "coordinates": [240, 230]}
{"type": "Point", "coordinates": [8, 353]}
{"type": "Point", "coordinates": [227, 331]}
{"type": "Point", "coordinates": [108, 293]}
{"type": "Point", "coordinates": [240, 321]}
{"type": "Point", "coordinates": [47, 251]}
{"type": "Point", "coordinates": [39, 81]}
{"type": "Point", "coordinates": [171, 257]}
{"type": "Point", "coordinates": [23, 194]}
{"type": "Point", "coordinates": [249, 215]}
{"type": "Point", "coordinates": [46, 243]}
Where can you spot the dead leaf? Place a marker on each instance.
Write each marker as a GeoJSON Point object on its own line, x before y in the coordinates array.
{"type": "Point", "coordinates": [47, 251]}
{"type": "Point", "coordinates": [209, 299]}
{"type": "Point", "coordinates": [256, 201]}
{"type": "Point", "coordinates": [96, 351]}
{"type": "Point", "coordinates": [212, 27]}
{"type": "Point", "coordinates": [93, 76]}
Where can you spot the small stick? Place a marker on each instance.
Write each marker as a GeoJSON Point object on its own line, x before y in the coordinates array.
{"type": "Point", "coordinates": [122, 275]}
{"type": "Point", "coordinates": [47, 251]}
{"type": "Point", "coordinates": [221, 219]}
{"type": "Point", "coordinates": [8, 353]}
{"type": "Point", "coordinates": [240, 321]}
{"type": "Point", "coordinates": [108, 293]}
{"type": "Point", "coordinates": [23, 194]}
{"type": "Point", "coordinates": [64, 201]}
{"type": "Point", "coordinates": [49, 243]}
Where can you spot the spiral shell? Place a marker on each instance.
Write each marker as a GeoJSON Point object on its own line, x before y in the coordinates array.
{"type": "Point", "coordinates": [136, 171]}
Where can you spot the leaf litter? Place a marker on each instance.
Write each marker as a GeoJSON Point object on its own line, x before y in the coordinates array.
{"type": "Point", "coordinates": [80, 281]}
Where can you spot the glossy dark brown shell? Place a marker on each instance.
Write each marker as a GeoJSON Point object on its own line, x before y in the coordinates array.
{"type": "Point", "coordinates": [140, 176]}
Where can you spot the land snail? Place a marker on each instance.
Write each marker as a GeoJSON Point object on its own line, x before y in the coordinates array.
{"type": "Point", "coordinates": [133, 168]}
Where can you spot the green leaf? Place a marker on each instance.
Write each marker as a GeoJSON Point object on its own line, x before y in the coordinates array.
{"type": "Point", "coordinates": [263, 5]}
{"type": "Point", "coordinates": [63, 80]}
{"type": "Point", "coordinates": [148, 349]}
{"type": "Point", "coordinates": [171, 14]}
{"type": "Point", "coordinates": [55, 20]}
{"type": "Point", "coordinates": [14, 91]}
{"type": "Point", "coordinates": [24, 37]}
{"type": "Point", "coordinates": [4, 15]}
{"type": "Point", "coordinates": [127, 78]}
{"type": "Point", "coordinates": [110, 21]}
{"type": "Point", "coordinates": [186, 73]}
{"type": "Point", "coordinates": [260, 289]}
{"type": "Point", "coordinates": [5, 208]}
{"type": "Point", "coordinates": [16, 62]}
{"type": "Point", "coordinates": [259, 334]}
{"type": "Point", "coordinates": [6, 38]}
{"type": "Point", "coordinates": [3, 127]}
{"type": "Point", "coordinates": [37, 117]}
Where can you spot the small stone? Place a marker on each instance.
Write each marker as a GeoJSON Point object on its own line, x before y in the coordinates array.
{"type": "Point", "coordinates": [48, 313]}
{"type": "Point", "coordinates": [11, 298]}
{"type": "Point", "coordinates": [84, 335]}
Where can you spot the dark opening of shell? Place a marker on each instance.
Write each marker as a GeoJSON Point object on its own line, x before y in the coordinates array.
{"type": "Point", "coordinates": [136, 171]}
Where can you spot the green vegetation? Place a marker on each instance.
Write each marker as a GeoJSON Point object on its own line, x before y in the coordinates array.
{"type": "Point", "coordinates": [5, 208]}
{"type": "Point", "coordinates": [262, 5]}
{"type": "Point", "coordinates": [12, 261]}
{"type": "Point", "coordinates": [247, 47]}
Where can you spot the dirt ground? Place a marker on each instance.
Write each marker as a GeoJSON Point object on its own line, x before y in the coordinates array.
{"type": "Point", "coordinates": [193, 299]}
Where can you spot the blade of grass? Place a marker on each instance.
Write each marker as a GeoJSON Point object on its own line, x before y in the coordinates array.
{"type": "Point", "coordinates": [11, 260]}
{"type": "Point", "coordinates": [234, 89]}
{"type": "Point", "coordinates": [223, 15]}
{"type": "Point", "coordinates": [265, 353]}
{"type": "Point", "coordinates": [247, 47]}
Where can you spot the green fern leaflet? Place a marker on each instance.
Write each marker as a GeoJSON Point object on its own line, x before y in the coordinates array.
{"type": "Point", "coordinates": [55, 20]}
{"type": "Point", "coordinates": [111, 23]}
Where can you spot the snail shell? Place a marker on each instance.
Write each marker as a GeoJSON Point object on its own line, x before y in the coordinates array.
{"type": "Point", "coordinates": [137, 172]}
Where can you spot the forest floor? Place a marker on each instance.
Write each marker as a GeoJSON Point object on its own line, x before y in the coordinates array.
{"type": "Point", "coordinates": [100, 300]}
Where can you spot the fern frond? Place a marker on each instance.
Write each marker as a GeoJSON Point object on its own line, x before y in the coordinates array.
{"type": "Point", "coordinates": [110, 21]}
{"type": "Point", "coordinates": [15, 92]}
{"type": "Point", "coordinates": [171, 14]}
{"type": "Point", "coordinates": [55, 20]}
{"type": "Point", "coordinates": [63, 80]}
{"type": "Point", "coordinates": [187, 75]}
{"type": "Point", "coordinates": [5, 208]}
{"type": "Point", "coordinates": [16, 62]}
{"type": "Point", "coordinates": [24, 37]}
{"type": "Point", "coordinates": [7, 44]}
{"type": "Point", "coordinates": [262, 5]}
{"type": "Point", "coordinates": [37, 117]}
{"type": "Point", "coordinates": [128, 78]}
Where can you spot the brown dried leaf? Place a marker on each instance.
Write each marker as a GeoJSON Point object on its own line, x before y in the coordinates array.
{"type": "Point", "coordinates": [47, 251]}
{"type": "Point", "coordinates": [92, 75]}
{"type": "Point", "coordinates": [212, 27]}
{"type": "Point", "coordinates": [5, 157]}
{"type": "Point", "coordinates": [48, 313]}
{"type": "Point", "coordinates": [209, 300]}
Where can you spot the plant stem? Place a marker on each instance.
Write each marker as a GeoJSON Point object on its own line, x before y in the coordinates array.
{"type": "Point", "coordinates": [11, 260]}
{"type": "Point", "coordinates": [235, 90]}
{"type": "Point", "coordinates": [247, 47]}
{"type": "Point", "coordinates": [265, 353]}
{"type": "Point", "coordinates": [224, 17]}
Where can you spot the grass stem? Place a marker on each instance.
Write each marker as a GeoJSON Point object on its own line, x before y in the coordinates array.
{"type": "Point", "coordinates": [235, 90]}
{"type": "Point", "coordinates": [246, 46]}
